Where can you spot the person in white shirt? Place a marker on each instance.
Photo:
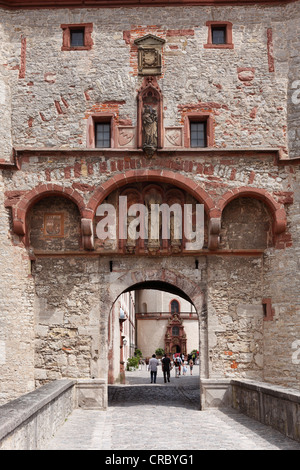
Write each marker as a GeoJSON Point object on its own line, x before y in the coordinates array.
{"type": "Point", "coordinates": [153, 363]}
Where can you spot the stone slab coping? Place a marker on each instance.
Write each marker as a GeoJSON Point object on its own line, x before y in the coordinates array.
{"type": "Point", "coordinates": [277, 391]}
{"type": "Point", "coordinates": [16, 412]}
{"type": "Point", "coordinates": [90, 382]}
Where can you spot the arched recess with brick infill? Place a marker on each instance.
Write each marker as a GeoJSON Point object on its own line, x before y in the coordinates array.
{"type": "Point", "coordinates": [164, 176]}
{"type": "Point", "coordinates": [276, 209]}
{"type": "Point", "coordinates": [30, 198]}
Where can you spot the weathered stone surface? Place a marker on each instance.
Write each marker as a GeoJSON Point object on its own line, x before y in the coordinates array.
{"type": "Point", "coordinates": [55, 305]}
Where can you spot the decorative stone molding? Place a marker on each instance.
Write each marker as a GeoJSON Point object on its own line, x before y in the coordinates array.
{"type": "Point", "coordinates": [214, 228]}
{"type": "Point", "coordinates": [21, 202]}
{"type": "Point", "coordinates": [173, 137]}
{"type": "Point", "coordinates": [87, 231]}
{"type": "Point", "coordinates": [126, 137]}
{"type": "Point", "coordinates": [149, 54]}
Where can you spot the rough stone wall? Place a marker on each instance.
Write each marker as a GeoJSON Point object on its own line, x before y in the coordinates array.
{"type": "Point", "coordinates": [73, 294]}
{"type": "Point", "coordinates": [246, 223]}
{"type": "Point", "coordinates": [235, 317]}
{"type": "Point", "coordinates": [50, 93]}
{"type": "Point", "coordinates": [6, 78]}
{"type": "Point", "coordinates": [70, 329]}
{"type": "Point", "coordinates": [291, 43]}
{"type": "Point", "coordinates": [281, 283]}
{"type": "Point", "coordinates": [16, 313]}
{"type": "Point", "coordinates": [244, 87]}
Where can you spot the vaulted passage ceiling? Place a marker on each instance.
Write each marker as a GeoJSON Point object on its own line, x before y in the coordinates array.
{"type": "Point", "coordinates": [161, 286]}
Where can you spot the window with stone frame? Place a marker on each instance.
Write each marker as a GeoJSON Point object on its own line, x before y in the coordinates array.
{"type": "Point", "coordinates": [198, 130]}
{"type": "Point", "coordinates": [77, 37]}
{"type": "Point", "coordinates": [101, 130]}
{"type": "Point", "coordinates": [219, 35]}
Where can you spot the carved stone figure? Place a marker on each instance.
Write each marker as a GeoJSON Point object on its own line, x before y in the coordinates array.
{"type": "Point", "coordinates": [149, 120]}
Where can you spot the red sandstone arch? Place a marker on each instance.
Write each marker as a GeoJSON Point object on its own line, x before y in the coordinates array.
{"type": "Point", "coordinates": [164, 176]}
{"type": "Point", "coordinates": [30, 198]}
{"type": "Point", "coordinates": [276, 209]}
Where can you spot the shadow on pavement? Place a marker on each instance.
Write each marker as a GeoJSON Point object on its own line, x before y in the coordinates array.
{"type": "Point", "coordinates": [180, 392]}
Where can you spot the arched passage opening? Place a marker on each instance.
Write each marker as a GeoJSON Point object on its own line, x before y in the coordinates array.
{"type": "Point", "coordinates": [157, 329]}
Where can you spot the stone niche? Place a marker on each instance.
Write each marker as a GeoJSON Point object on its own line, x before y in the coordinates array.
{"type": "Point", "coordinates": [146, 195]}
{"type": "Point", "coordinates": [54, 225]}
{"type": "Point", "coordinates": [246, 224]}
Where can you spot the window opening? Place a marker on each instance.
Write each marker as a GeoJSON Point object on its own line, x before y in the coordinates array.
{"type": "Point", "coordinates": [77, 37]}
{"type": "Point", "coordinates": [102, 134]}
{"type": "Point", "coordinates": [219, 35]}
{"type": "Point", "coordinates": [198, 134]}
{"type": "Point", "coordinates": [175, 306]}
{"type": "Point", "coordinates": [175, 331]}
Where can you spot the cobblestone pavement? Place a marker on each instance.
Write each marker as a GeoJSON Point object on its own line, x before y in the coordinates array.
{"type": "Point", "coordinates": [144, 416]}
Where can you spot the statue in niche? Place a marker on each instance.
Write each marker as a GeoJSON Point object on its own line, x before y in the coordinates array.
{"type": "Point", "coordinates": [150, 127]}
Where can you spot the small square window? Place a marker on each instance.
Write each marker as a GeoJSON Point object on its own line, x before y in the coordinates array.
{"type": "Point", "coordinates": [102, 135]}
{"type": "Point", "coordinates": [77, 37]}
{"type": "Point", "coordinates": [198, 134]}
{"type": "Point", "coordinates": [198, 130]}
{"type": "Point", "coordinates": [218, 35]}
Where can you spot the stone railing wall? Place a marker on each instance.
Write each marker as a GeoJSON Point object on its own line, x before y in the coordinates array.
{"type": "Point", "coordinates": [28, 422]}
{"type": "Point", "coordinates": [31, 420]}
{"type": "Point", "coordinates": [272, 405]}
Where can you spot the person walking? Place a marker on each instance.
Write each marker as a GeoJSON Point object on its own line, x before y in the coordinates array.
{"type": "Point", "coordinates": [153, 363]}
{"type": "Point", "coordinates": [166, 364]}
{"type": "Point", "coordinates": [191, 366]}
{"type": "Point", "coordinates": [179, 362]}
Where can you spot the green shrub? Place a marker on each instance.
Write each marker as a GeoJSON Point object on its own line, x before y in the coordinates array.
{"type": "Point", "coordinates": [138, 353]}
{"type": "Point", "coordinates": [160, 352]}
{"type": "Point", "coordinates": [133, 362]}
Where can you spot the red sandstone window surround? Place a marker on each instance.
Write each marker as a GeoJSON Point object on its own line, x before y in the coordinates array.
{"type": "Point", "coordinates": [207, 120]}
{"type": "Point", "coordinates": [268, 310]}
{"type": "Point", "coordinates": [93, 129]}
{"type": "Point", "coordinates": [215, 30]}
{"type": "Point", "coordinates": [72, 37]}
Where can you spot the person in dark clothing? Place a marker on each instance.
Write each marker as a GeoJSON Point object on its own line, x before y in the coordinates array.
{"type": "Point", "coordinates": [166, 362]}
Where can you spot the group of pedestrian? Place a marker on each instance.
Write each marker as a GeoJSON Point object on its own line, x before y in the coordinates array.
{"type": "Point", "coordinates": [179, 364]}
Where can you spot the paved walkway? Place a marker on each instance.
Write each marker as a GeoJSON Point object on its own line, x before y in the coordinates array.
{"type": "Point", "coordinates": [163, 417]}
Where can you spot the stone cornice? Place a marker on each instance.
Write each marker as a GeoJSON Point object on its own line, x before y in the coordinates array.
{"type": "Point", "coordinates": [60, 153]}
{"type": "Point", "coordinates": [19, 4]}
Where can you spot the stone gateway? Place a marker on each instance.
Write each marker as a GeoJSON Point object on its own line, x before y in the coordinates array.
{"type": "Point", "coordinates": [182, 103]}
